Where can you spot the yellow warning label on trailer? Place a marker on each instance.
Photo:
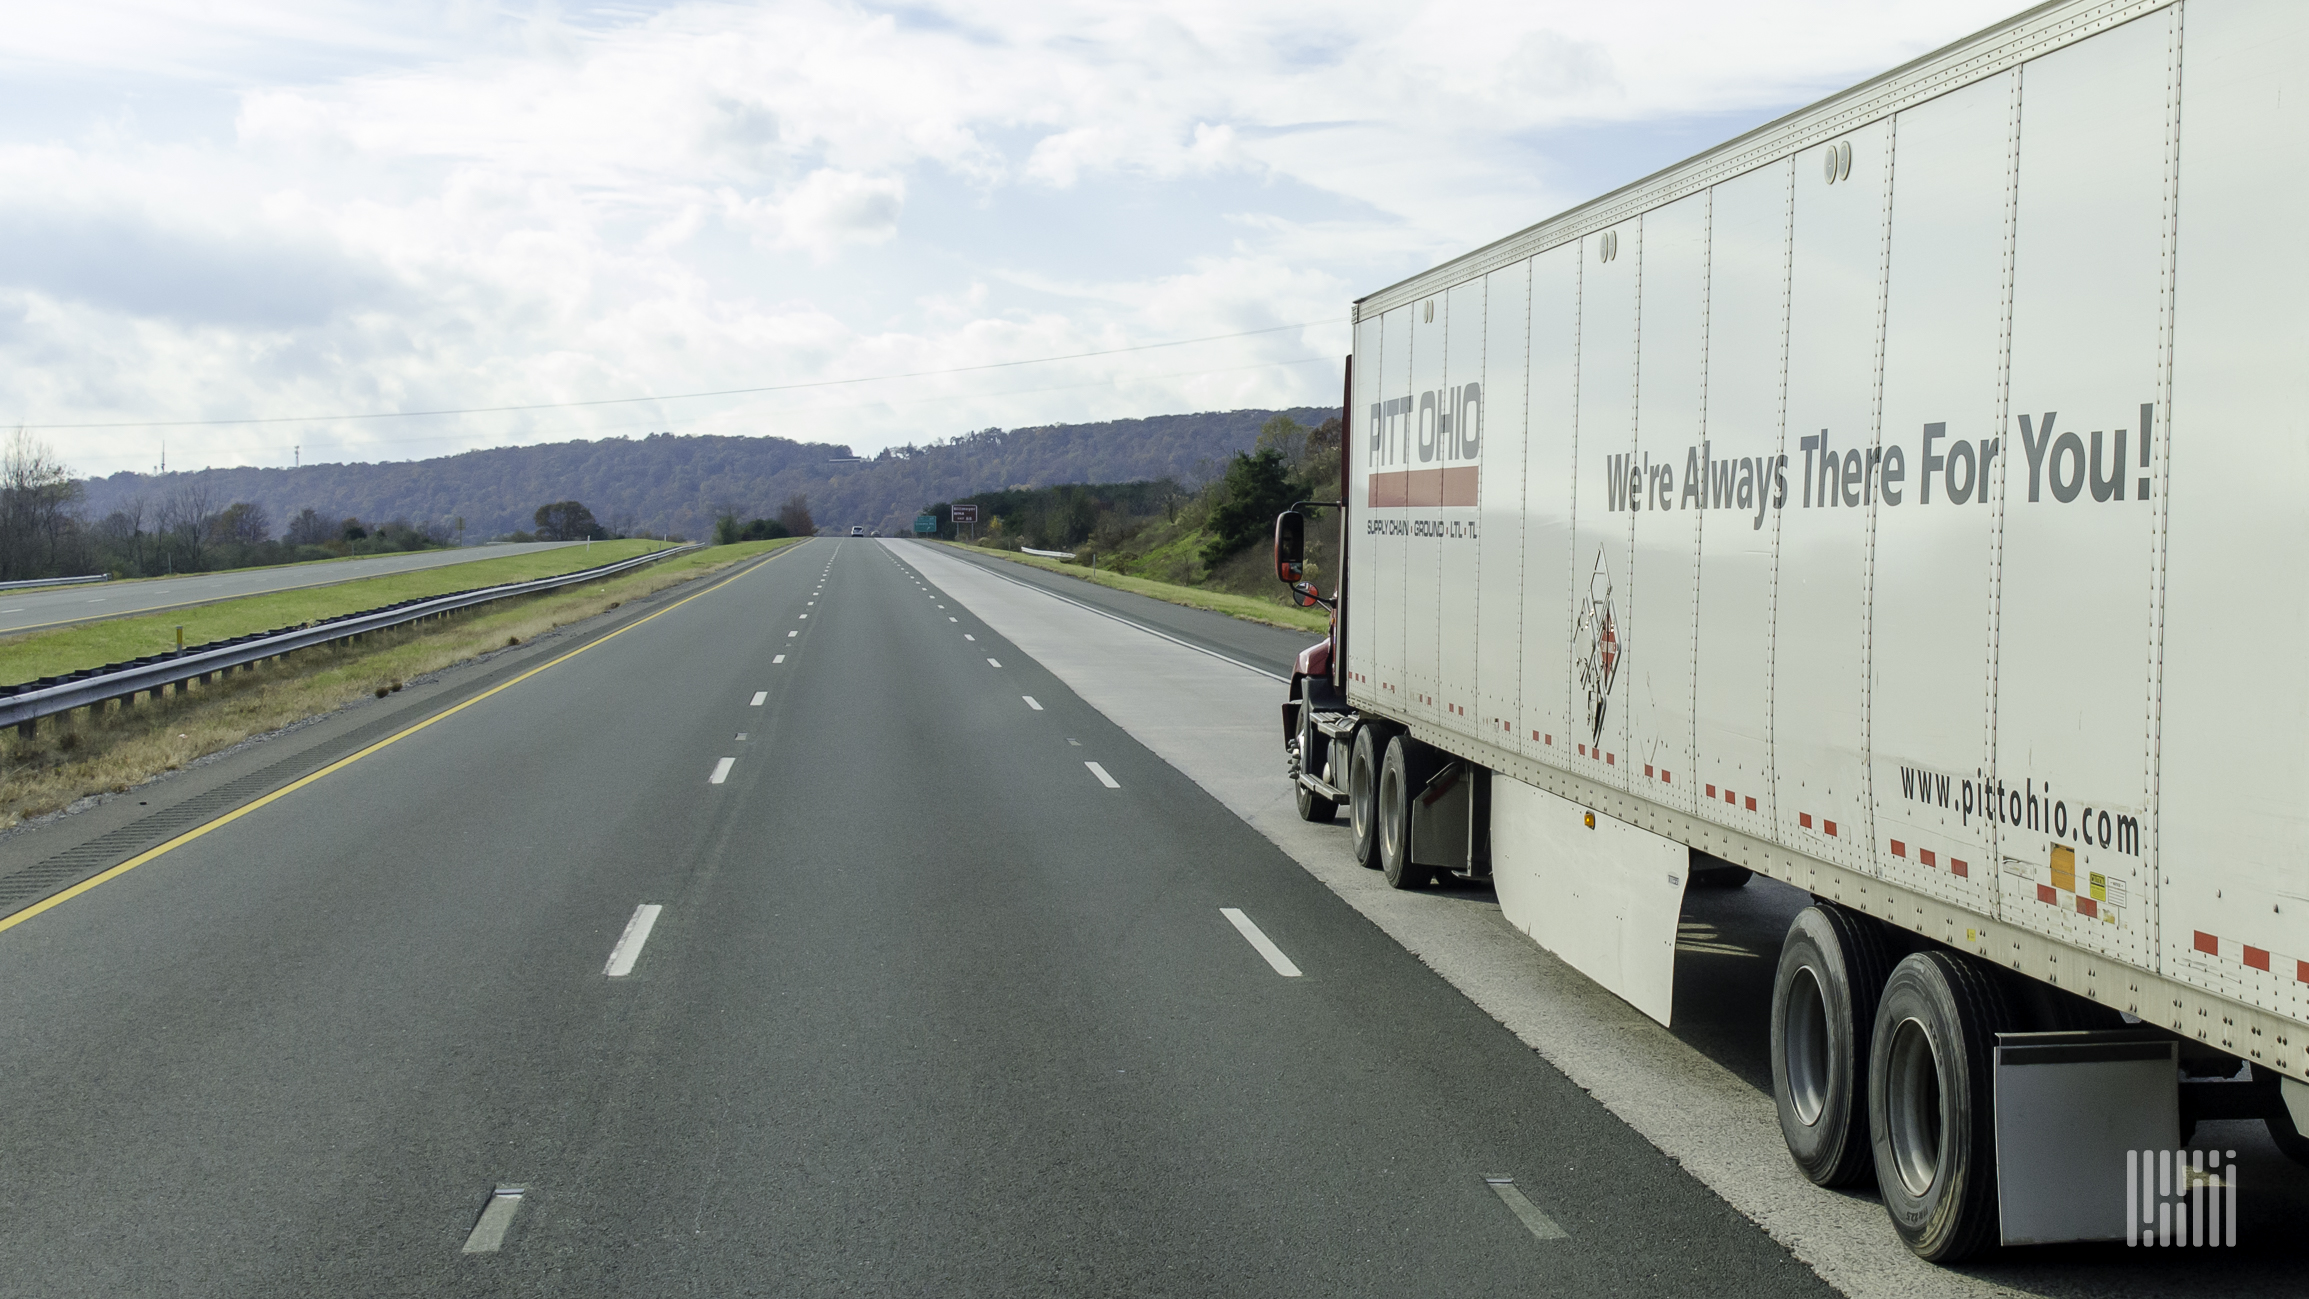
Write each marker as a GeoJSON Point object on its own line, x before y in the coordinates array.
{"type": "Point", "coordinates": [2064, 867]}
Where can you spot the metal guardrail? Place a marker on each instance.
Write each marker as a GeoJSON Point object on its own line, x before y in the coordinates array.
{"type": "Point", "coordinates": [21, 705]}
{"type": "Point", "coordinates": [37, 582]}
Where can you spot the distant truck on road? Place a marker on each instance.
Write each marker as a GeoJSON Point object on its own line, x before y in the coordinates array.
{"type": "Point", "coordinates": [1901, 501]}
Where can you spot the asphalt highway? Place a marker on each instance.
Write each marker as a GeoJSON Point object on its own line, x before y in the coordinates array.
{"type": "Point", "coordinates": [952, 988]}
{"type": "Point", "coordinates": [31, 610]}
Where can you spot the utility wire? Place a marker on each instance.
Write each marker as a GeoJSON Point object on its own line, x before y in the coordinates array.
{"type": "Point", "coordinates": [677, 396]}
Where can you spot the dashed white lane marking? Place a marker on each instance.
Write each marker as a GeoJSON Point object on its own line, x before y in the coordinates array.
{"type": "Point", "coordinates": [628, 949]}
{"type": "Point", "coordinates": [1539, 1223]}
{"type": "Point", "coordinates": [994, 663]}
{"type": "Point", "coordinates": [1030, 702]}
{"type": "Point", "coordinates": [741, 735]}
{"type": "Point", "coordinates": [968, 636]}
{"type": "Point", "coordinates": [721, 771]}
{"type": "Point", "coordinates": [952, 618]}
{"type": "Point", "coordinates": [779, 659]}
{"type": "Point", "coordinates": [1103, 779]}
{"type": "Point", "coordinates": [1258, 939]}
{"type": "Point", "coordinates": [805, 616]}
{"type": "Point", "coordinates": [790, 635]}
{"type": "Point", "coordinates": [762, 695]}
{"type": "Point", "coordinates": [497, 1215]}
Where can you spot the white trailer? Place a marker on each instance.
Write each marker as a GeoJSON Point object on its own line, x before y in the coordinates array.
{"type": "Point", "coordinates": [1897, 501]}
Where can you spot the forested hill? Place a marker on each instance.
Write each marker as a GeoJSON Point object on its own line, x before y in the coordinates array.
{"type": "Point", "coordinates": [678, 484]}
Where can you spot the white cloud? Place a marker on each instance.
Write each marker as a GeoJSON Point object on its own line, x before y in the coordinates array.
{"type": "Point", "coordinates": [828, 210]}
{"type": "Point", "coordinates": [262, 209]}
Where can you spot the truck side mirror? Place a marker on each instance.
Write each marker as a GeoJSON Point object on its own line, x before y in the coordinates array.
{"type": "Point", "coordinates": [1291, 547]}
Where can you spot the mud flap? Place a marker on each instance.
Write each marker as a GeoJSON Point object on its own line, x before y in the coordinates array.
{"type": "Point", "coordinates": [1601, 894]}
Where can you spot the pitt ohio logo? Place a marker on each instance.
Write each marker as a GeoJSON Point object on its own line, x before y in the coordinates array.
{"type": "Point", "coordinates": [1437, 438]}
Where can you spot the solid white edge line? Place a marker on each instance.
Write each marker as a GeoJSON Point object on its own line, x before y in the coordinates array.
{"type": "Point", "coordinates": [721, 771]}
{"type": "Point", "coordinates": [1534, 1220]}
{"type": "Point", "coordinates": [1030, 702]}
{"type": "Point", "coordinates": [1103, 779]}
{"type": "Point", "coordinates": [628, 949]}
{"type": "Point", "coordinates": [1258, 939]}
{"type": "Point", "coordinates": [761, 695]}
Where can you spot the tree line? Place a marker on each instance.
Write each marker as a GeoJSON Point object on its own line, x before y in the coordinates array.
{"type": "Point", "coordinates": [45, 530]}
{"type": "Point", "coordinates": [663, 483]}
{"type": "Point", "coordinates": [1206, 533]}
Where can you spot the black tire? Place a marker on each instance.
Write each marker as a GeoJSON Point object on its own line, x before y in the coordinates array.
{"type": "Point", "coordinates": [1832, 970]}
{"type": "Point", "coordinates": [1363, 795]}
{"type": "Point", "coordinates": [2282, 1132]}
{"type": "Point", "coordinates": [1309, 751]}
{"type": "Point", "coordinates": [1399, 783]}
{"type": "Point", "coordinates": [1932, 1106]}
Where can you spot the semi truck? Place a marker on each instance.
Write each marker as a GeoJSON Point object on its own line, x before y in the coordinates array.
{"type": "Point", "coordinates": [1897, 501]}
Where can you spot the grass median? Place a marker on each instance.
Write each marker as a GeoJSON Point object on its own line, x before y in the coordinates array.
{"type": "Point", "coordinates": [113, 748]}
{"type": "Point", "coordinates": [38, 654]}
{"type": "Point", "coordinates": [1274, 612]}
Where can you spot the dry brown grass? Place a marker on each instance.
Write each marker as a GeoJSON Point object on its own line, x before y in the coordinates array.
{"type": "Point", "coordinates": [79, 755]}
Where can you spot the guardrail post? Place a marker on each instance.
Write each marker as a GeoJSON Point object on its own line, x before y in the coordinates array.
{"type": "Point", "coordinates": [26, 729]}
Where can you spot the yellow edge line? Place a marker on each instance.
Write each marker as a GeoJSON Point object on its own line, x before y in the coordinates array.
{"type": "Point", "coordinates": [340, 764]}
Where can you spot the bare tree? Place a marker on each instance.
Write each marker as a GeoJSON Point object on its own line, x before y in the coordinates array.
{"type": "Point", "coordinates": [795, 515]}
{"type": "Point", "coordinates": [186, 515]}
{"type": "Point", "coordinates": [134, 511]}
{"type": "Point", "coordinates": [310, 529]}
{"type": "Point", "coordinates": [244, 523]}
{"type": "Point", "coordinates": [37, 493]}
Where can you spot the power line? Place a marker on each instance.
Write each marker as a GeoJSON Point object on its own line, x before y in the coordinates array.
{"type": "Point", "coordinates": [676, 396]}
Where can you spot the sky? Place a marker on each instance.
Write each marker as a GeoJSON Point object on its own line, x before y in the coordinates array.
{"type": "Point", "coordinates": [299, 213]}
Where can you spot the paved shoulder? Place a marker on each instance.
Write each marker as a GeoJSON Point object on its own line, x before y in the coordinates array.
{"type": "Point", "coordinates": [1270, 649]}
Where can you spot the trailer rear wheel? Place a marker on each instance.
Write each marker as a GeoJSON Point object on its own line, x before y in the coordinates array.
{"type": "Point", "coordinates": [1363, 795]}
{"type": "Point", "coordinates": [2287, 1138]}
{"type": "Point", "coordinates": [1397, 787]}
{"type": "Point", "coordinates": [1931, 1104]}
{"type": "Point", "coordinates": [1832, 969]}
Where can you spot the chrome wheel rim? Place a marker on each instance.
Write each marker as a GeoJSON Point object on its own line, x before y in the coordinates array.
{"type": "Point", "coordinates": [1916, 1106]}
{"type": "Point", "coordinates": [1390, 810]}
{"type": "Point", "coordinates": [1359, 794]}
{"type": "Point", "coordinates": [1804, 1046]}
